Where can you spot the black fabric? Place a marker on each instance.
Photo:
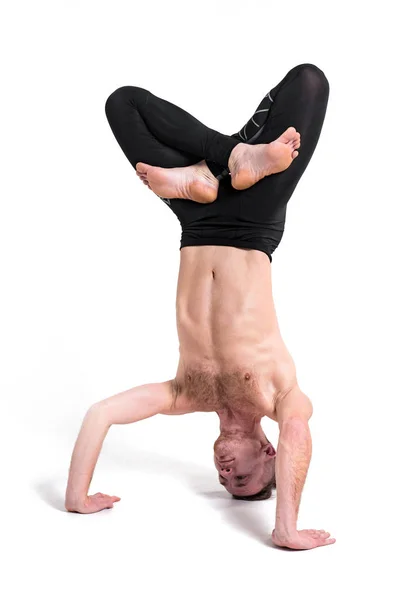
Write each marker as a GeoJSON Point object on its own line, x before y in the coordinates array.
{"type": "Point", "coordinates": [152, 130]}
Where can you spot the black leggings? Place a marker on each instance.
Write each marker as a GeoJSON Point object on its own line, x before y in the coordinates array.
{"type": "Point", "coordinates": [155, 131]}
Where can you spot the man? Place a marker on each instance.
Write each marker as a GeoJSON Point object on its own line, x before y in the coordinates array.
{"type": "Point", "coordinates": [230, 195]}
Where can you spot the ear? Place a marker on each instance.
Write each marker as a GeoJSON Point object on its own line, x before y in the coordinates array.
{"type": "Point", "coordinates": [269, 450]}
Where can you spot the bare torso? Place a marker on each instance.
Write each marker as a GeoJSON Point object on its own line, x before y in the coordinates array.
{"type": "Point", "coordinates": [232, 355]}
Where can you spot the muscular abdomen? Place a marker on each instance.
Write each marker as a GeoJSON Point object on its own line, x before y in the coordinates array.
{"type": "Point", "coordinates": [224, 304]}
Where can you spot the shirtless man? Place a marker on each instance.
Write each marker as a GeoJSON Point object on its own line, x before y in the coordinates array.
{"type": "Point", "coordinates": [230, 195]}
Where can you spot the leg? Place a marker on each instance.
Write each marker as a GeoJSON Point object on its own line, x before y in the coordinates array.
{"type": "Point", "coordinates": [132, 128]}
{"type": "Point", "coordinates": [175, 127]}
{"type": "Point", "coordinates": [299, 101]}
{"type": "Point", "coordinates": [254, 218]}
{"type": "Point", "coordinates": [153, 132]}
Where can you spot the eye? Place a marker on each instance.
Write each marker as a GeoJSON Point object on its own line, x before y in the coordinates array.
{"type": "Point", "coordinates": [222, 480]}
{"type": "Point", "coordinates": [241, 477]}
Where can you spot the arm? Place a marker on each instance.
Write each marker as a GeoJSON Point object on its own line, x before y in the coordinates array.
{"type": "Point", "coordinates": [127, 407]}
{"type": "Point", "coordinates": [294, 452]}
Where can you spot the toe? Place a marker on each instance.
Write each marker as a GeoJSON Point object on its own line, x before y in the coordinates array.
{"type": "Point", "coordinates": [142, 167]}
{"type": "Point", "coordinates": [288, 136]}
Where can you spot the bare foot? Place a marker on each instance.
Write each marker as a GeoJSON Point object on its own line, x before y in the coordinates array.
{"type": "Point", "coordinates": [195, 182]}
{"type": "Point", "coordinates": [248, 164]}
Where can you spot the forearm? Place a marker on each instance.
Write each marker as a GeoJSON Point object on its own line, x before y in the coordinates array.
{"type": "Point", "coordinates": [85, 455]}
{"type": "Point", "coordinates": [292, 462]}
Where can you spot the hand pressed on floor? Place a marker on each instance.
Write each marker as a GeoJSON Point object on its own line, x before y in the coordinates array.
{"type": "Point", "coordinates": [306, 539]}
{"type": "Point", "coordinates": [94, 503]}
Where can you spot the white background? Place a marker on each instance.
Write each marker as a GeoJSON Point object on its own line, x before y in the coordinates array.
{"type": "Point", "coordinates": [89, 263]}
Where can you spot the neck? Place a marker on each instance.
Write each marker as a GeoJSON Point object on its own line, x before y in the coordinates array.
{"type": "Point", "coordinates": [232, 423]}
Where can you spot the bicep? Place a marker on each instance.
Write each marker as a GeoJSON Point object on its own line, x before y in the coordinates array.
{"type": "Point", "coordinates": [137, 403]}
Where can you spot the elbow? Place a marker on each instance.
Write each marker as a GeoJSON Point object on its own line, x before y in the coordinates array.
{"type": "Point", "coordinates": [98, 413]}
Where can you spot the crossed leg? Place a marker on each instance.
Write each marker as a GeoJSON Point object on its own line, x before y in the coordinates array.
{"type": "Point", "coordinates": [177, 156]}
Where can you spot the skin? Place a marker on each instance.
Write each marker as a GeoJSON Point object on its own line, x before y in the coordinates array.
{"type": "Point", "coordinates": [233, 362]}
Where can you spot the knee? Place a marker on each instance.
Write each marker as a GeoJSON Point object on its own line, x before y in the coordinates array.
{"type": "Point", "coordinates": [313, 77]}
{"type": "Point", "coordinates": [123, 97]}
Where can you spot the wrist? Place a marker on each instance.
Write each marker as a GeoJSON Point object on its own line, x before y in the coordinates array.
{"type": "Point", "coordinates": [286, 524]}
{"type": "Point", "coordinates": [283, 535]}
{"type": "Point", "coordinates": [74, 502]}
{"type": "Point", "coordinates": [284, 531]}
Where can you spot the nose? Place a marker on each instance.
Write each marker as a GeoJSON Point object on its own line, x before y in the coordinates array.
{"type": "Point", "coordinates": [226, 471]}
{"type": "Point", "coordinates": [225, 466]}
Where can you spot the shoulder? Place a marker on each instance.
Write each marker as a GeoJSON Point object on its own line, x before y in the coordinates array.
{"type": "Point", "coordinates": [279, 381]}
{"type": "Point", "coordinates": [293, 404]}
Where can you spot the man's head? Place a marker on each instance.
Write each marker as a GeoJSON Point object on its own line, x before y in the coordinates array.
{"type": "Point", "coordinates": [246, 465]}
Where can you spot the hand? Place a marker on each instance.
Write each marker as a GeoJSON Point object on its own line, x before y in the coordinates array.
{"type": "Point", "coordinates": [92, 504]}
{"type": "Point", "coordinates": [306, 539]}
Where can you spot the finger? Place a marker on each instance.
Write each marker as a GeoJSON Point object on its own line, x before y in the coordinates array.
{"type": "Point", "coordinates": [330, 541]}
{"type": "Point", "coordinates": [325, 534]}
{"type": "Point", "coordinates": [295, 154]}
{"type": "Point", "coordinates": [110, 499]}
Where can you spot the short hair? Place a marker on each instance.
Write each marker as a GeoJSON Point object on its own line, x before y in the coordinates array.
{"type": "Point", "coordinates": [264, 494]}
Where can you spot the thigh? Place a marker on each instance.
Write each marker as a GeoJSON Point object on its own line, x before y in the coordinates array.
{"type": "Point", "coordinates": [299, 100]}
{"type": "Point", "coordinates": [133, 132]}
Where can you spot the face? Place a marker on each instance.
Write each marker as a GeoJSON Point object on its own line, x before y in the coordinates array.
{"type": "Point", "coordinates": [244, 464]}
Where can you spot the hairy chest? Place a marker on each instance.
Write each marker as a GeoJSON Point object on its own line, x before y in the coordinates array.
{"type": "Point", "coordinates": [199, 389]}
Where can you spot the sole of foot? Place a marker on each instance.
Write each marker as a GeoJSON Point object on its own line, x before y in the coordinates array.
{"type": "Point", "coordinates": [195, 182]}
{"type": "Point", "coordinates": [248, 164]}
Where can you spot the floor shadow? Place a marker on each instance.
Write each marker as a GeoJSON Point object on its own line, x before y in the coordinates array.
{"type": "Point", "coordinates": [244, 516]}
{"type": "Point", "coordinates": [247, 517]}
{"type": "Point", "coordinates": [47, 490]}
